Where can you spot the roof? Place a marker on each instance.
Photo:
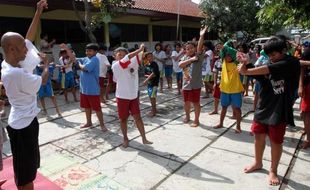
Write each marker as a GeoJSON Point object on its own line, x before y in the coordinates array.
{"type": "Point", "coordinates": [187, 7]}
{"type": "Point", "coordinates": [169, 7]}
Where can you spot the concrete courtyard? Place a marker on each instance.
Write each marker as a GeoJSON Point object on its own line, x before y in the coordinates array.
{"type": "Point", "coordinates": [180, 158]}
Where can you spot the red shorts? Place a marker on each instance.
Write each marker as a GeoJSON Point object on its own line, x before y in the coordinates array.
{"type": "Point", "coordinates": [192, 95]}
{"type": "Point", "coordinates": [217, 92]}
{"type": "Point", "coordinates": [90, 102]}
{"type": "Point", "coordinates": [275, 132]}
{"type": "Point", "coordinates": [126, 107]}
{"type": "Point", "coordinates": [102, 82]}
{"type": "Point", "coordinates": [305, 101]}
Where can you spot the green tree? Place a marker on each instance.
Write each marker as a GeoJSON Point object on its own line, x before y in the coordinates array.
{"type": "Point", "coordinates": [227, 17]}
{"type": "Point", "coordinates": [287, 13]}
{"type": "Point", "coordinates": [98, 12]}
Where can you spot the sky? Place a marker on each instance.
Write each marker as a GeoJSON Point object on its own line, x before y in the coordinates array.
{"type": "Point", "coordinates": [196, 1]}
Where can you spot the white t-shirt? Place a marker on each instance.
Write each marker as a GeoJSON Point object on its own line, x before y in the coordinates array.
{"type": "Point", "coordinates": [103, 65]}
{"type": "Point", "coordinates": [160, 55]}
{"type": "Point", "coordinates": [206, 68]}
{"type": "Point", "coordinates": [127, 79]}
{"type": "Point", "coordinates": [21, 88]}
{"type": "Point", "coordinates": [64, 61]}
{"type": "Point", "coordinates": [32, 59]}
{"type": "Point", "coordinates": [176, 67]}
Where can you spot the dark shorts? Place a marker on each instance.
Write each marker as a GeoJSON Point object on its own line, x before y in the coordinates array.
{"type": "Point", "coordinates": [69, 80]}
{"type": "Point", "coordinates": [126, 107]}
{"type": "Point", "coordinates": [179, 76]}
{"type": "Point", "coordinates": [217, 92]}
{"type": "Point", "coordinates": [103, 81]}
{"type": "Point", "coordinates": [90, 102]}
{"type": "Point", "coordinates": [275, 132]}
{"type": "Point", "coordinates": [46, 91]}
{"type": "Point", "coordinates": [25, 151]}
{"type": "Point", "coordinates": [192, 95]}
{"type": "Point", "coordinates": [168, 70]}
{"type": "Point", "coordinates": [305, 101]}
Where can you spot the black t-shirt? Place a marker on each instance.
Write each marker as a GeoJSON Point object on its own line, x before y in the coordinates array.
{"type": "Point", "coordinates": [306, 56]}
{"type": "Point", "coordinates": [153, 68]}
{"type": "Point", "coordinates": [278, 91]}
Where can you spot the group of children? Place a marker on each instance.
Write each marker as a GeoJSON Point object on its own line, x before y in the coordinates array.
{"type": "Point", "coordinates": [195, 66]}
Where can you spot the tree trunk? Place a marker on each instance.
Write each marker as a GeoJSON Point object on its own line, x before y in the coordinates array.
{"type": "Point", "coordinates": [85, 24]}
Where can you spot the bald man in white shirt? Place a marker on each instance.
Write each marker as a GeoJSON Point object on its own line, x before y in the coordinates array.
{"type": "Point", "coordinates": [21, 88]}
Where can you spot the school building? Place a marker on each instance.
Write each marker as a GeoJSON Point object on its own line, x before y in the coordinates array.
{"type": "Point", "coordinates": [149, 21]}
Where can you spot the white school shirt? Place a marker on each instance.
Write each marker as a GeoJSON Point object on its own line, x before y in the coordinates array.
{"type": "Point", "coordinates": [21, 89]}
{"type": "Point", "coordinates": [176, 67]}
{"type": "Point", "coordinates": [127, 80]}
{"type": "Point", "coordinates": [159, 55]}
{"type": "Point", "coordinates": [103, 65]}
{"type": "Point", "coordinates": [65, 61]}
{"type": "Point", "coordinates": [207, 63]}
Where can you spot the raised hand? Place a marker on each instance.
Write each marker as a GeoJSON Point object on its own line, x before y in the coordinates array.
{"type": "Point", "coordinates": [242, 69]}
{"type": "Point", "coordinates": [203, 30]}
{"type": "Point", "coordinates": [142, 46]}
{"type": "Point", "coordinates": [41, 5]}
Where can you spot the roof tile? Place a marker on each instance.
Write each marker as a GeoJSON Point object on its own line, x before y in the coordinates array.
{"type": "Point", "coordinates": [187, 7]}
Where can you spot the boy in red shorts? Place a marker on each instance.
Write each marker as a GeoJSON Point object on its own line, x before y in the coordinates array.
{"type": "Point", "coordinates": [89, 84]}
{"type": "Point", "coordinates": [278, 80]}
{"type": "Point", "coordinates": [191, 64]}
{"type": "Point", "coordinates": [304, 93]}
{"type": "Point", "coordinates": [125, 70]}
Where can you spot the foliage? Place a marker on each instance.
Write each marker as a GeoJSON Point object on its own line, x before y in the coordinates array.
{"type": "Point", "coordinates": [98, 12]}
{"type": "Point", "coordinates": [227, 17]}
{"type": "Point", "coordinates": [285, 13]}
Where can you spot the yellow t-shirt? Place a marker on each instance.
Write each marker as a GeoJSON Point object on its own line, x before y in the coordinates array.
{"type": "Point", "coordinates": [230, 79]}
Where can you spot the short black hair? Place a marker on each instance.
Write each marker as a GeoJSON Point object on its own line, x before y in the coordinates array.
{"type": "Point", "coordinates": [158, 44]}
{"type": "Point", "coordinates": [244, 46]}
{"type": "Point", "coordinates": [274, 44]}
{"type": "Point", "coordinates": [92, 46]}
{"type": "Point", "coordinates": [306, 54]}
{"type": "Point", "coordinates": [103, 47]}
{"type": "Point", "coordinates": [121, 49]}
{"type": "Point", "coordinates": [209, 45]}
{"type": "Point", "coordinates": [178, 44]}
{"type": "Point", "coordinates": [193, 43]}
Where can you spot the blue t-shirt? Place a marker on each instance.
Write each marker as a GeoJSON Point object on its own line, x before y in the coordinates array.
{"type": "Point", "coordinates": [89, 78]}
{"type": "Point", "coordinates": [50, 70]}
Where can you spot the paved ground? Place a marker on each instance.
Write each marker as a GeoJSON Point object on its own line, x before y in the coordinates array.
{"type": "Point", "coordinates": [180, 158]}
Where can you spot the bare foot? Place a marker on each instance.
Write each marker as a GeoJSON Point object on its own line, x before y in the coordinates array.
{"type": "Point", "coordinates": [305, 145]}
{"type": "Point", "coordinates": [151, 114]}
{"type": "Point", "coordinates": [212, 113]}
{"type": "Point", "coordinates": [186, 120]}
{"type": "Point", "coordinates": [252, 168]}
{"type": "Point", "coordinates": [195, 124]}
{"type": "Point", "coordinates": [86, 125]}
{"type": "Point", "coordinates": [147, 142]}
{"type": "Point", "coordinates": [218, 126]}
{"type": "Point", "coordinates": [238, 131]}
{"type": "Point", "coordinates": [103, 129]}
{"type": "Point", "coordinates": [125, 143]}
{"type": "Point", "coordinates": [273, 179]}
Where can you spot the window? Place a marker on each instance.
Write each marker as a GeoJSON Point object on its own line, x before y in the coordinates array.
{"type": "Point", "coordinates": [19, 25]}
{"type": "Point", "coordinates": [164, 33]}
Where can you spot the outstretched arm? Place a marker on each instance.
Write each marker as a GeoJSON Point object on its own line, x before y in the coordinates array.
{"type": "Point", "coordinates": [132, 54]}
{"type": "Point", "coordinates": [201, 39]}
{"type": "Point", "coordinates": [35, 21]}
